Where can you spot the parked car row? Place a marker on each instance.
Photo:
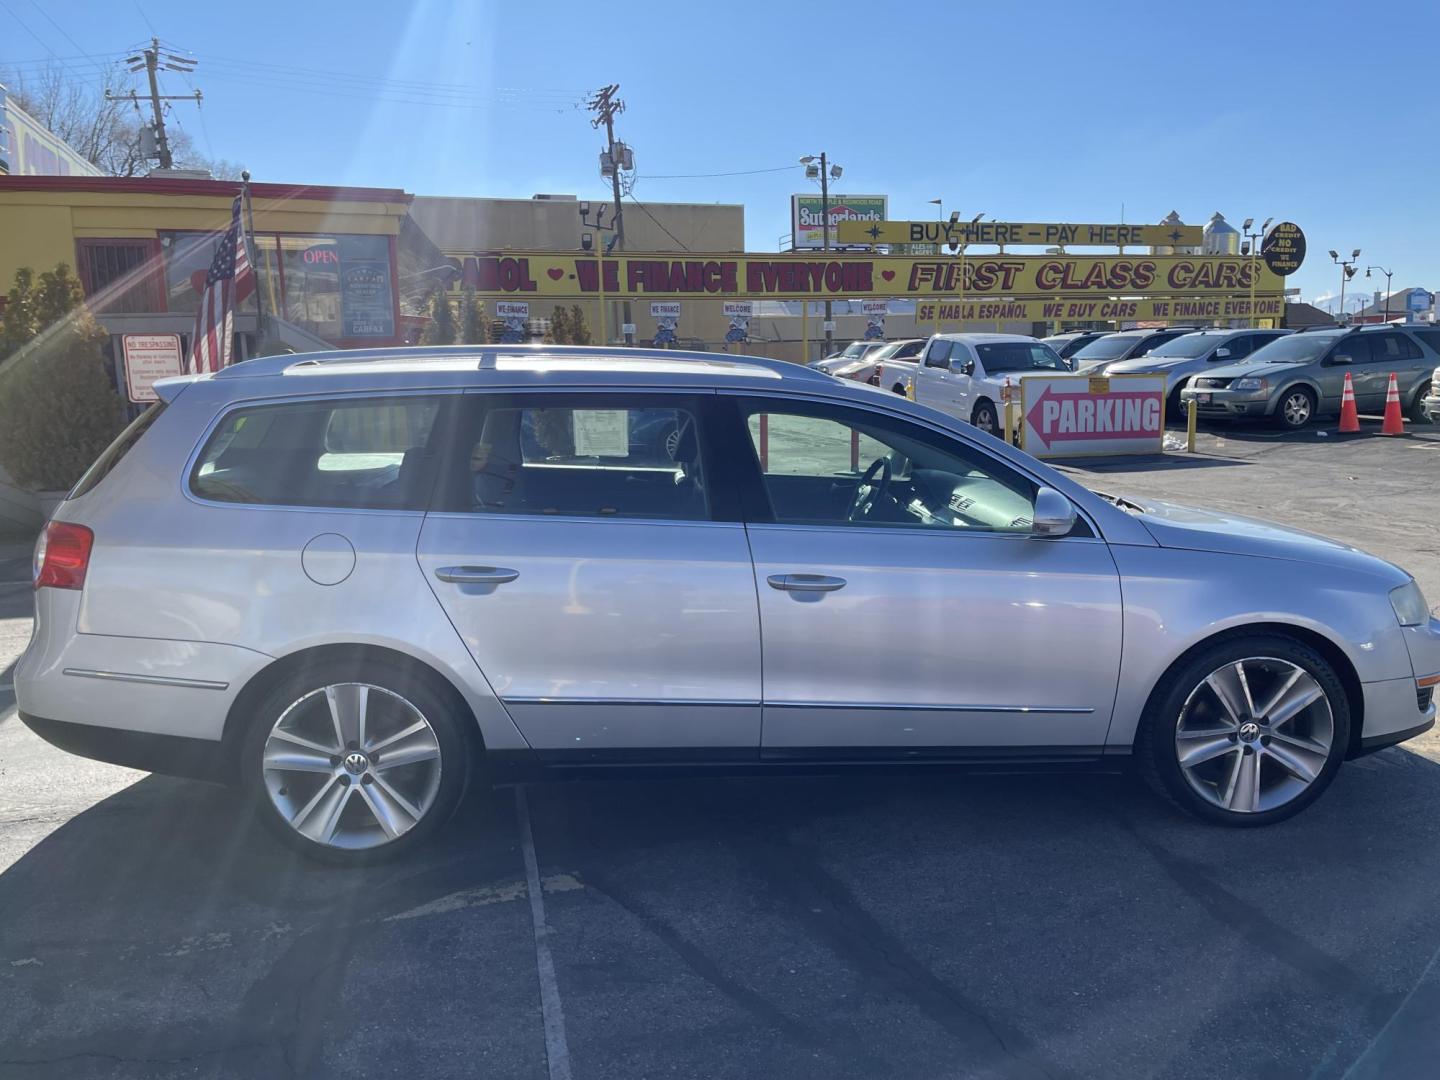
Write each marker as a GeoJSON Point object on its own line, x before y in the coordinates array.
{"type": "Point", "coordinates": [1289, 377]}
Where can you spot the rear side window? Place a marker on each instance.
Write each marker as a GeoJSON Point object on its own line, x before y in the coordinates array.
{"type": "Point", "coordinates": [363, 454]}
{"type": "Point", "coordinates": [1430, 337]}
{"type": "Point", "coordinates": [579, 456]}
{"type": "Point", "coordinates": [1395, 347]}
{"type": "Point", "coordinates": [105, 464]}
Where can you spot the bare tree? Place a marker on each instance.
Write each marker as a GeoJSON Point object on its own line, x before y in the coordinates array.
{"type": "Point", "coordinates": [105, 132]}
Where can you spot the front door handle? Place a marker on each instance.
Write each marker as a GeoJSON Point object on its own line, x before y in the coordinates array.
{"type": "Point", "coordinates": [476, 575]}
{"type": "Point", "coordinates": [805, 582]}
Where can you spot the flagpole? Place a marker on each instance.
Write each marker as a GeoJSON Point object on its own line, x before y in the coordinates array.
{"type": "Point", "coordinates": [253, 249]}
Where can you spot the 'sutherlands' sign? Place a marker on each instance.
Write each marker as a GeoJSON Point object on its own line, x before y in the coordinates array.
{"type": "Point", "coordinates": [149, 357]}
{"type": "Point", "coordinates": [826, 274]}
{"type": "Point", "coordinates": [1074, 416]}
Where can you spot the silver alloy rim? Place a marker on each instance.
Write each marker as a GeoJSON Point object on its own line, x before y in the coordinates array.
{"type": "Point", "coordinates": [352, 765]}
{"type": "Point", "coordinates": [1297, 409]}
{"type": "Point", "coordinates": [1255, 734]}
{"type": "Point", "coordinates": [985, 421]}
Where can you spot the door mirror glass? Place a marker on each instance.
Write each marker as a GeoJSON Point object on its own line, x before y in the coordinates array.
{"type": "Point", "coordinates": [1340, 358]}
{"type": "Point", "coordinates": [1222, 354]}
{"type": "Point", "coordinates": [1054, 514]}
{"type": "Point", "coordinates": [963, 367]}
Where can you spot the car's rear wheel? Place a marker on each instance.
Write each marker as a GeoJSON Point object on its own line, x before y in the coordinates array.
{"type": "Point", "coordinates": [899, 388]}
{"type": "Point", "coordinates": [352, 764]}
{"type": "Point", "coordinates": [1247, 732]}
{"type": "Point", "coordinates": [984, 418]}
{"type": "Point", "coordinates": [1296, 408]}
{"type": "Point", "coordinates": [1418, 415]}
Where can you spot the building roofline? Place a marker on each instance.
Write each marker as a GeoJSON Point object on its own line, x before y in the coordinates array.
{"type": "Point", "coordinates": [159, 185]}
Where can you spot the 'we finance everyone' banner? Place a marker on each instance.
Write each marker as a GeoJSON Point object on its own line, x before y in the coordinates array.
{"type": "Point", "coordinates": [1217, 307]}
{"type": "Point", "coordinates": [547, 274]}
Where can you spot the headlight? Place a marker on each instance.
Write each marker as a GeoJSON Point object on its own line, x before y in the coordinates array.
{"type": "Point", "coordinates": [1409, 604]}
{"type": "Point", "coordinates": [1250, 382]}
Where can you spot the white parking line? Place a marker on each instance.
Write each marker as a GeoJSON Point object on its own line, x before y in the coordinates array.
{"type": "Point", "coordinates": [557, 1050]}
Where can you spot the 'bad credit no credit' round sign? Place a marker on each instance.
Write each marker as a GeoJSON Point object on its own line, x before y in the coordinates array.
{"type": "Point", "coordinates": [1283, 248]}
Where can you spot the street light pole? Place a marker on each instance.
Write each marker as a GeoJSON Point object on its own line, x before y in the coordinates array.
{"type": "Point", "coordinates": [825, 245]}
{"type": "Point", "coordinates": [1387, 288]}
{"type": "Point", "coordinates": [1347, 271]}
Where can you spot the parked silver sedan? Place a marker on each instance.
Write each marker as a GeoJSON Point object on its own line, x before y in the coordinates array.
{"type": "Point", "coordinates": [352, 583]}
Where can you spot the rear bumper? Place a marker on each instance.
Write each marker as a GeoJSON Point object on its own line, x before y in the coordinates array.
{"type": "Point", "coordinates": [175, 755]}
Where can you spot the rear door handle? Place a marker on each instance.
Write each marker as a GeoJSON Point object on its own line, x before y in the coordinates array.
{"type": "Point", "coordinates": [476, 575]}
{"type": "Point", "coordinates": [805, 582]}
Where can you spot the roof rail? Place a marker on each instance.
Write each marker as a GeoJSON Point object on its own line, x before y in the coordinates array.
{"type": "Point", "coordinates": [486, 355]}
{"type": "Point", "coordinates": [1319, 326]}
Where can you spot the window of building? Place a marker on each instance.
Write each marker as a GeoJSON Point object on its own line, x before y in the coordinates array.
{"type": "Point", "coordinates": [120, 276]}
{"type": "Point", "coordinates": [367, 454]}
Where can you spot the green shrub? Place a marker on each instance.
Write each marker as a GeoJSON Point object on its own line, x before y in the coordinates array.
{"type": "Point", "coordinates": [58, 406]}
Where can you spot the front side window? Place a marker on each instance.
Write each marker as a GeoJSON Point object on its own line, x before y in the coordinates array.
{"type": "Point", "coordinates": [357, 454]}
{"type": "Point", "coordinates": [579, 456]}
{"type": "Point", "coordinates": [833, 465]}
{"type": "Point", "coordinates": [999, 358]}
{"type": "Point", "coordinates": [939, 354]}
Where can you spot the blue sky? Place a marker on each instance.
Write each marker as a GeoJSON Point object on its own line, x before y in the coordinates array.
{"type": "Point", "coordinates": [1040, 111]}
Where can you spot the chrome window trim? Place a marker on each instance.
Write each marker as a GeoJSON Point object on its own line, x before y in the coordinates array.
{"type": "Point", "coordinates": [718, 703]}
{"type": "Point", "coordinates": [146, 680]}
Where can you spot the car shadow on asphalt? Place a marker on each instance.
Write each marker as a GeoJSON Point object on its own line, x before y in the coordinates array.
{"type": "Point", "coordinates": [163, 927]}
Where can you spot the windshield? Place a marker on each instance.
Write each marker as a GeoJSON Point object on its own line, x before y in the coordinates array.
{"type": "Point", "coordinates": [1187, 346]}
{"type": "Point", "coordinates": [1297, 348]}
{"type": "Point", "coordinates": [1105, 348]}
{"type": "Point", "coordinates": [1002, 356]}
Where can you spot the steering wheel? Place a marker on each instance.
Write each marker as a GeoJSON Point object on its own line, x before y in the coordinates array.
{"type": "Point", "coordinates": [869, 492]}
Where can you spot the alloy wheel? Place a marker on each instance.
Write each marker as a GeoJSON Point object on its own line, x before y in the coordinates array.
{"type": "Point", "coordinates": [1254, 734]}
{"type": "Point", "coordinates": [985, 420]}
{"type": "Point", "coordinates": [1297, 409]}
{"type": "Point", "coordinates": [352, 765]}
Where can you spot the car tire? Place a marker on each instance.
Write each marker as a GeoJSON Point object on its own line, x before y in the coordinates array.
{"type": "Point", "coordinates": [385, 807]}
{"type": "Point", "coordinates": [1417, 412]}
{"type": "Point", "coordinates": [1296, 408]}
{"type": "Point", "coordinates": [984, 418]}
{"type": "Point", "coordinates": [1285, 761]}
{"type": "Point", "coordinates": [899, 388]}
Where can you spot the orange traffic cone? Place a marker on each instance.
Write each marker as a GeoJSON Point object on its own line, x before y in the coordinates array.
{"type": "Point", "coordinates": [1349, 416]}
{"type": "Point", "coordinates": [1394, 423]}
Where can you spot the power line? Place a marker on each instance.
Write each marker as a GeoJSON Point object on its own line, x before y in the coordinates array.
{"type": "Point", "coordinates": [646, 211]}
{"type": "Point", "coordinates": [46, 15]}
{"type": "Point", "coordinates": [24, 26]}
{"type": "Point", "coordinates": [708, 175]}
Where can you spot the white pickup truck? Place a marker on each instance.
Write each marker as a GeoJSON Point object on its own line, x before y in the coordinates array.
{"type": "Point", "coordinates": [964, 374]}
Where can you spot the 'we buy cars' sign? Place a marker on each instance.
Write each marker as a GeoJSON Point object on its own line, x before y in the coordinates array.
{"type": "Point", "coordinates": [1076, 416]}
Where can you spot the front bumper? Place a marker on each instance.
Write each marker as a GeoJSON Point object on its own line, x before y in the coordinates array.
{"type": "Point", "coordinates": [1225, 403]}
{"type": "Point", "coordinates": [1431, 405]}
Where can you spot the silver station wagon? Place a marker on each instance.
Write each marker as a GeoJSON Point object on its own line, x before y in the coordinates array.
{"type": "Point", "coordinates": [352, 583]}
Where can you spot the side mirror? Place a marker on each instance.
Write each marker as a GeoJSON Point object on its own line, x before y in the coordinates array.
{"type": "Point", "coordinates": [1222, 354]}
{"type": "Point", "coordinates": [965, 368]}
{"type": "Point", "coordinates": [1054, 514]}
{"type": "Point", "coordinates": [1338, 359]}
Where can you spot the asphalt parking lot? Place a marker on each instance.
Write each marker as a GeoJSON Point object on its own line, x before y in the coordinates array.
{"type": "Point", "coordinates": [948, 925]}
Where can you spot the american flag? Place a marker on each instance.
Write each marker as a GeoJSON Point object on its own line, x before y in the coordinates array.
{"type": "Point", "coordinates": [211, 345]}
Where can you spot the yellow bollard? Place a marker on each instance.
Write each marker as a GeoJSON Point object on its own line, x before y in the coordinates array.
{"type": "Point", "coordinates": [1190, 426]}
{"type": "Point", "coordinates": [1010, 422]}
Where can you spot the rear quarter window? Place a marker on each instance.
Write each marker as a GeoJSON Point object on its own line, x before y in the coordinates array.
{"type": "Point", "coordinates": [370, 453]}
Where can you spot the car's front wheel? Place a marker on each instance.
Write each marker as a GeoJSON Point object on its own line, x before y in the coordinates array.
{"type": "Point", "coordinates": [351, 764]}
{"type": "Point", "coordinates": [984, 418]}
{"type": "Point", "coordinates": [1296, 408]}
{"type": "Point", "coordinates": [1247, 732]}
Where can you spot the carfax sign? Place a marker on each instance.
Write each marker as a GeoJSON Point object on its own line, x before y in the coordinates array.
{"type": "Point", "coordinates": [1075, 416]}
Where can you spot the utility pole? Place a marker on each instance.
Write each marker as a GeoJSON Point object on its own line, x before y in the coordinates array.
{"type": "Point", "coordinates": [151, 60]}
{"type": "Point", "coordinates": [606, 105]}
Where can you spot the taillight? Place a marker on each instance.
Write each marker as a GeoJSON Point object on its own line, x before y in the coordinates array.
{"type": "Point", "coordinates": [63, 556]}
